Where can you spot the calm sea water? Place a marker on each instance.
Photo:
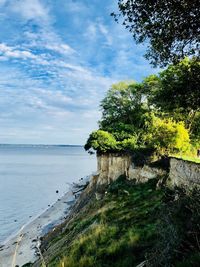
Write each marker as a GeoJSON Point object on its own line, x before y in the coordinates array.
{"type": "Point", "coordinates": [30, 176]}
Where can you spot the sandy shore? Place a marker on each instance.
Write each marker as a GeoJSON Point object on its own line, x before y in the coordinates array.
{"type": "Point", "coordinates": [23, 247]}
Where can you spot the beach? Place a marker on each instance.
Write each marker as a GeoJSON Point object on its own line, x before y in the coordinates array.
{"type": "Point", "coordinates": [23, 247]}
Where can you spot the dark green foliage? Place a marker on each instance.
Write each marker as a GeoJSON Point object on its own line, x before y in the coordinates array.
{"type": "Point", "coordinates": [123, 111]}
{"type": "Point", "coordinates": [175, 93]}
{"type": "Point", "coordinates": [193, 260]}
{"type": "Point", "coordinates": [195, 130]}
{"type": "Point", "coordinates": [178, 231]}
{"type": "Point", "coordinates": [171, 27]}
{"type": "Point", "coordinates": [178, 90]}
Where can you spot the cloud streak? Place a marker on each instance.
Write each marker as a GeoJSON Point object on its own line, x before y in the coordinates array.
{"type": "Point", "coordinates": [30, 9]}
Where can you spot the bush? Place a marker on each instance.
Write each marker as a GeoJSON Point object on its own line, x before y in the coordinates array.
{"type": "Point", "coordinates": [129, 144]}
{"type": "Point", "coordinates": [101, 141]}
{"type": "Point", "coordinates": [167, 136]}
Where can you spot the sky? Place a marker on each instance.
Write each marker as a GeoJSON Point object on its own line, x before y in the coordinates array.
{"type": "Point", "coordinates": [57, 60]}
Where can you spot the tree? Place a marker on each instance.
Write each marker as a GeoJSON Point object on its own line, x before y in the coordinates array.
{"type": "Point", "coordinates": [124, 110]}
{"type": "Point", "coordinates": [140, 117]}
{"type": "Point", "coordinates": [176, 90]}
{"type": "Point", "coordinates": [171, 27]}
{"type": "Point", "coordinates": [195, 134]}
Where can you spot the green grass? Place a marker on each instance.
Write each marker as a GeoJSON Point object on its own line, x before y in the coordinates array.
{"type": "Point", "coordinates": [190, 158]}
{"type": "Point", "coordinates": [130, 224]}
{"type": "Point", "coordinates": [114, 231]}
{"type": "Point", "coordinates": [125, 226]}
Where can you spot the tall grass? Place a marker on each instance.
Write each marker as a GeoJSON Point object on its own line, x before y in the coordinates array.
{"type": "Point", "coordinates": [133, 223]}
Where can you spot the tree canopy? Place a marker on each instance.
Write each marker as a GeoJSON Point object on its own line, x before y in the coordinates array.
{"type": "Point", "coordinates": [123, 111]}
{"type": "Point", "coordinates": [176, 90]}
{"type": "Point", "coordinates": [162, 113]}
{"type": "Point", "coordinates": [171, 27]}
{"type": "Point", "coordinates": [151, 115]}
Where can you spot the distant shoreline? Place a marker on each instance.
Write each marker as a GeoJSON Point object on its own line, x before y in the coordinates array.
{"type": "Point", "coordinates": [38, 145]}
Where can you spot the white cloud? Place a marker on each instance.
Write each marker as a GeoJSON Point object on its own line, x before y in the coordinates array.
{"type": "Point", "coordinates": [91, 32]}
{"type": "Point", "coordinates": [12, 52]}
{"type": "Point", "coordinates": [104, 30]}
{"type": "Point", "coordinates": [46, 38]}
{"type": "Point", "coordinates": [97, 30]}
{"type": "Point", "coordinates": [30, 9]}
{"type": "Point", "coordinates": [60, 48]}
{"type": "Point", "coordinates": [76, 6]}
{"type": "Point", "coordinates": [76, 68]}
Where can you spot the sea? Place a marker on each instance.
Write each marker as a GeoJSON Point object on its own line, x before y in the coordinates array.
{"type": "Point", "coordinates": [35, 176]}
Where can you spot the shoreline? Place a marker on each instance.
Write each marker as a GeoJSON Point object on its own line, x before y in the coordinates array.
{"type": "Point", "coordinates": [23, 247]}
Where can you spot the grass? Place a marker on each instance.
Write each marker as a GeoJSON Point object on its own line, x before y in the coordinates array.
{"type": "Point", "coordinates": [190, 158]}
{"type": "Point", "coordinates": [132, 223]}
{"type": "Point", "coordinates": [113, 231]}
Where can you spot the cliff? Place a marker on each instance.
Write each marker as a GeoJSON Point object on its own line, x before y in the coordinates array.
{"type": "Point", "coordinates": [111, 166]}
{"type": "Point", "coordinates": [135, 222]}
{"type": "Point", "coordinates": [180, 173]}
{"type": "Point", "coordinates": [184, 173]}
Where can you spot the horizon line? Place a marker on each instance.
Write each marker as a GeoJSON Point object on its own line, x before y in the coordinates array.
{"type": "Point", "coordinates": [20, 144]}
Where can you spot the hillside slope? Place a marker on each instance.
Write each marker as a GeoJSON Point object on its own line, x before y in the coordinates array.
{"type": "Point", "coordinates": [129, 224]}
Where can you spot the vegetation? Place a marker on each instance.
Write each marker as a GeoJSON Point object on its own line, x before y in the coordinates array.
{"type": "Point", "coordinates": [123, 111]}
{"type": "Point", "coordinates": [162, 113]}
{"type": "Point", "coordinates": [168, 137]}
{"type": "Point", "coordinates": [132, 223]}
{"type": "Point", "coordinates": [171, 27]}
{"type": "Point", "coordinates": [101, 141]}
{"type": "Point", "coordinates": [176, 90]}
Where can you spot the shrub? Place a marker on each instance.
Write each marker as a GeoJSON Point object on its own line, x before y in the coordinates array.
{"type": "Point", "coordinates": [167, 136]}
{"type": "Point", "coordinates": [101, 141]}
{"type": "Point", "coordinates": [128, 144]}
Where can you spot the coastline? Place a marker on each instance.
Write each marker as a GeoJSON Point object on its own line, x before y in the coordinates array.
{"type": "Point", "coordinates": [23, 247]}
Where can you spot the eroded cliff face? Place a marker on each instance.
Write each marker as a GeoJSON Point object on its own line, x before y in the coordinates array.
{"type": "Point", "coordinates": [110, 166]}
{"type": "Point", "coordinates": [184, 173]}
{"type": "Point", "coordinates": [145, 173]}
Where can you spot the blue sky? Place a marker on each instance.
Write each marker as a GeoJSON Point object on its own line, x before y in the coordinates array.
{"type": "Point", "coordinates": [57, 60]}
